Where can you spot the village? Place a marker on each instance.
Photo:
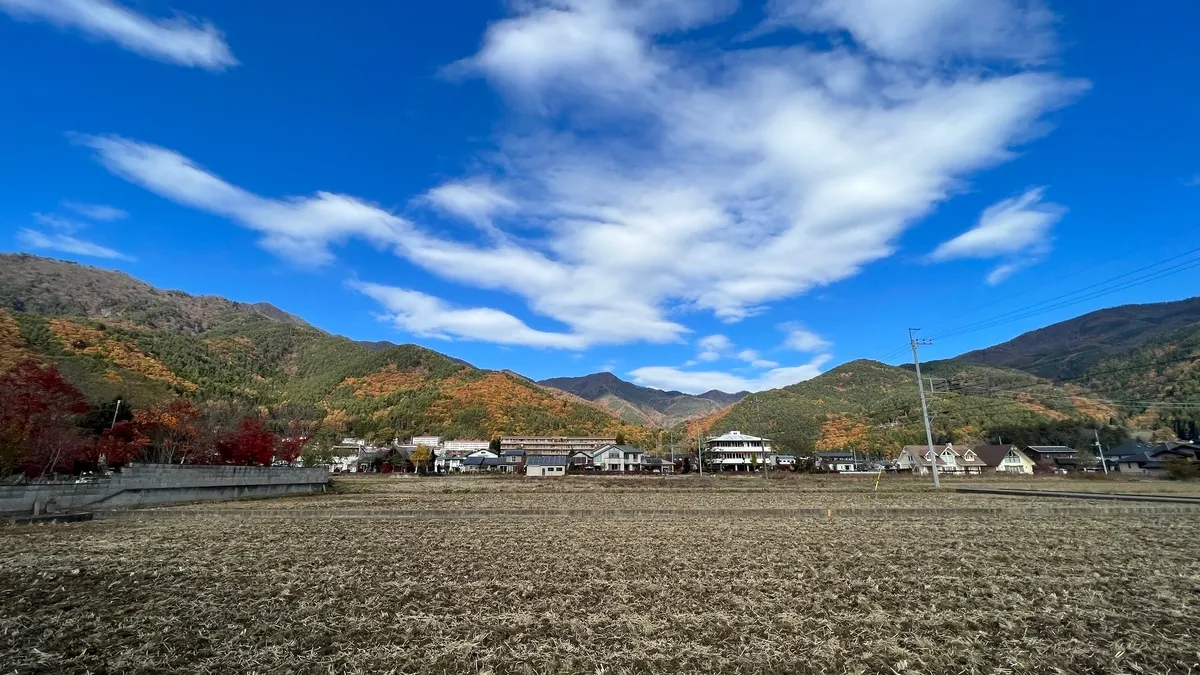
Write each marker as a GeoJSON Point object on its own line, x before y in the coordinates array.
{"type": "Point", "coordinates": [735, 452]}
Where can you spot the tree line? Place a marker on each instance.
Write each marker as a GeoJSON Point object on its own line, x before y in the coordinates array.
{"type": "Point", "coordinates": [47, 427]}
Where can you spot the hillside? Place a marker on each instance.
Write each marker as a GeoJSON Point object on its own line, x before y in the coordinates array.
{"type": "Point", "coordinates": [59, 288]}
{"type": "Point", "coordinates": [1070, 348]}
{"type": "Point", "coordinates": [112, 335]}
{"type": "Point", "coordinates": [872, 406]}
{"type": "Point", "coordinates": [642, 405]}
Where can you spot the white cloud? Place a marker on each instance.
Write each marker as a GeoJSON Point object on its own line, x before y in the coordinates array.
{"type": "Point", "coordinates": [931, 30]}
{"type": "Point", "coordinates": [711, 348]}
{"type": "Point", "coordinates": [602, 307]}
{"type": "Point", "coordinates": [427, 316]}
{"type": "Point", "coordinates": [299, 228]}
{"type": "Point", "coordinates": [102, 212]}
{"type": "Point", "coordinates": [67, 244]}
{"type": "Point", "coordinates": [608, 367]}
{"type": "Point", "coordinates": [656, 176]}
{"type": "Point", "coordinates": [58, 223]}
{"type": "Point", "coordinates": [750, 356]}
{"type": "Point", "coordinates": [476, 201]}
{"type": "Point", "coordinates": [696, 382]}
{"type": "Point", "coordinates": [803, 340]}
{"type": "Point", "coordinates": [1017, 228]}
{"type": "Point", "coordinates": [179, 40]}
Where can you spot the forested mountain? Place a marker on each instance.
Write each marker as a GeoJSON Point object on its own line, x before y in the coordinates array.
{"type": "Point", "coordinates": [59, 288]}
{"type": "Point", "coordinates": [1070, 348]}
{"type": "Point", "coordinates": [112, 335]}
{"type": "Point", "coordinates": [643, 405]}
{"type": "Point", "coordinates": [869, 405]}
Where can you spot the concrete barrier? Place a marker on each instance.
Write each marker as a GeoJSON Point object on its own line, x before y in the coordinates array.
{"type": "Point", "coordinates": [151, 484]}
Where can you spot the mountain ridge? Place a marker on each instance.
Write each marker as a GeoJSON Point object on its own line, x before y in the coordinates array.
{"type": "Point", "coordinates": [642, 405]}
{"type": "Point", "coordinates": [114, 336]}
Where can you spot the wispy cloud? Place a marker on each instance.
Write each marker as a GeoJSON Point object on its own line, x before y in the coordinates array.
{"type": "Point", "coordinates": [712, 347]}
{"type": "Point", "coordinates": [180, 40]}
{"type": "Point", "coordinates": [67, 244]}
{"type": "Point", "coordinates": [1018, 228]}
{"type": "Point", "coordinates": [696, 382]}
{"type": "Point", "coordinates": [476, 201]}
{"type": "Point", "coordinates": [101, 212]}
{"type": "Point", "coordinates": [799, 164]}
{"type": "Point", "coordinates": [930, 31]}
{"type": "Point", "coordinates": [801, 339]}
{"type": "Point", "coordinates": [427, 316]}
{"type": "Point", "coordinates": [58, 222]}
{"type": "Point", "coordinates": [751, 356]}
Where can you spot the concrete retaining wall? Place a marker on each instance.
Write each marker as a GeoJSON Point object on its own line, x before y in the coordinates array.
{"type": "Point", "coordinates": [149, 484]}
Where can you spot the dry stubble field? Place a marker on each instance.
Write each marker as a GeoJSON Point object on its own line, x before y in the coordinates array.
{"type": "Point", "coordinates": [248, 587]}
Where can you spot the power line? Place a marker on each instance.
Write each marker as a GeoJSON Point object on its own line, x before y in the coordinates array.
{"type": "Point", "coordinates": [1091, 375]}
{"type": "Point", "coordinates": [1174, 234]}
{"type": "Point", "coordinates": [1108, 291]}
{"type": "Point", "coordinates": [1036, 308]}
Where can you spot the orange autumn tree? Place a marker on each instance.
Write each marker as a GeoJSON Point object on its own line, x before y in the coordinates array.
{"type": "Point", "coordinates": [171, 433]}
{"type": "Point", "coordinates": [839, 432]}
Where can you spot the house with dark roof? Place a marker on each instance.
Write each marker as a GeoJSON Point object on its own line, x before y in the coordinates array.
{"type": "Point", "coordinates": [836, 460]}
{"type": "Point", "coordinates": [657, 465]}
{"type": "Point", "coordinates": [514, 460]}
{"type": "Point", "coordinates": [1052, 458]}
{"type": "Point", "coordinates": [1153, 462]}
{"type": "Point", "coordinates": [473, 463]}
{"type": "Point", "coordinates": [1004, 459]}
{"type": "Point", "coordinates": [547, 465]}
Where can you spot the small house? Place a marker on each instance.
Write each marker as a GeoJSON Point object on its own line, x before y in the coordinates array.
{"type": "Point", "coordinates": [920, 460]}
{"type": "Point", "coordinates": [1056, 458]}
{"type": "Point", "coordinates": [784, 461]}
{"type": "Point", "coordinates": [514, 459]}
{"type": "Point", "coordinates": [546, 465]}
{"type": "Point", "coordinates": [620, 458]}
{"type": "Point", "coordinates": [657, 465]}
{"type": "Point", "coordinates": [1153, 462]}
{"type": "Point", "coordinates": [474, 464]}
{"type": "Point", "coordinates": [835, 461]}
{"type": "Point", "coordinates": [1004, 459]}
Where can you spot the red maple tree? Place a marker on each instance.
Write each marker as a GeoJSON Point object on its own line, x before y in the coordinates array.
{"type": "Point", "coordinates": [38, 413]}
{"type": "Point", "coordinates": [250, 444]}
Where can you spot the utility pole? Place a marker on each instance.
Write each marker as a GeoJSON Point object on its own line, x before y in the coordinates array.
{"type": "Point", "coordinates": [912, 340]}
{"type": "Point", "coordinates": [699, 452]}
{"type": "Point", "coordinates": [115, 413]}
{"type": "Point", "coordinates": [1100, 451]}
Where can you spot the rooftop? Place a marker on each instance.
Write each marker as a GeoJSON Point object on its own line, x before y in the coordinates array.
{"type": "Point", "coordinates": [735, 436]}
{"type": "Point", "coordinates": [548, 460]}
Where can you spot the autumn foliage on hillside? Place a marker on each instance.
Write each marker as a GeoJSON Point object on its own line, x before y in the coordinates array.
{"type": "Point", "coordinates": [44, 429]}
{"type": "Point", "coordinates": [87, 340]}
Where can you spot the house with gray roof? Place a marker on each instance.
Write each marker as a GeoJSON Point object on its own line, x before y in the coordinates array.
{"type": "Point", "coordinates": [546, 465]}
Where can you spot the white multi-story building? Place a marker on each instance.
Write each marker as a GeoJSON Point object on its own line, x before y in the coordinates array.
{"type": "Point", "coordinates": [463, 447]}
{"type": "Point", "coordinates": [554, 445]}
{"type": "Point", "coordinates": [427, 441]}
{"type": "Point", "coordinates": [735, 451]}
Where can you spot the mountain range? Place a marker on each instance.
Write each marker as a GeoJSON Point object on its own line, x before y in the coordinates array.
{"type": "Point", "coordinates": [643, 405]}
{"type": "Point", "coordinates": [113, 335]}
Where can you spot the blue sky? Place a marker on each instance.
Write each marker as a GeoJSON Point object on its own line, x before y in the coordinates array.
{"type": "Point", "coordinates": [693, 194]}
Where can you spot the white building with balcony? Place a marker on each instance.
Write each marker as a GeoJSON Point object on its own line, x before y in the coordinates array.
{"type": "Point", "coordinates": [735, 451]}
{"type": "Point", "coordinates": [464, 447]}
